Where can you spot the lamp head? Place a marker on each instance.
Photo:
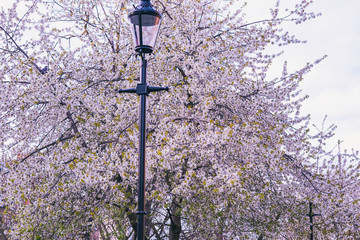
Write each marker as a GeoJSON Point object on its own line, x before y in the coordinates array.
{"type": "Point", "coordinates": [145, 22]}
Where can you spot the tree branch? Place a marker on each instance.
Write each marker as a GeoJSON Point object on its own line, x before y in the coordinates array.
{"type": "Point", "coordinates": [42, 71]}
{"type": "Point", "coordinates": [61, 139]}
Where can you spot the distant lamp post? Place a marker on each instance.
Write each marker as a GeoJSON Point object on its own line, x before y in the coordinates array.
{"type": "Point", "coordinates": [145, 22]}
{"type": "Point", "coordinates": [311, 216]}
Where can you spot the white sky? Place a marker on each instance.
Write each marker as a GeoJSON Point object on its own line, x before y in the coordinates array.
{"type": "Point", "coordinates": [333, 85]}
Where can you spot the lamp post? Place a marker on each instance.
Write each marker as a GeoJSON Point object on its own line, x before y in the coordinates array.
{"type": "Point", "coordinates": [145, 22]}
{"type": "Point", "coordinates": [311, 215]}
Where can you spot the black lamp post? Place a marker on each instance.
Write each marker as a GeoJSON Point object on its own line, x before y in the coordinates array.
{"type": "Point", "coordinates": [311, 215]}
{"type": "Point", "coordinates": [145, 22]}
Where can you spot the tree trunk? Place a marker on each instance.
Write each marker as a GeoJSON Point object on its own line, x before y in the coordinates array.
{"type": "Point", "coordinates": [175, 221]}
{"type": "Point", "coordinates": [133, 221]}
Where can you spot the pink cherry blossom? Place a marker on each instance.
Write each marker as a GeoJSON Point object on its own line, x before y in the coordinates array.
{"type": "Point", "coordinates": [229, 156]}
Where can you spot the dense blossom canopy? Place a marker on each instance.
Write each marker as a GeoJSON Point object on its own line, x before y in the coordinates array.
{"type": "Point", "coordinates": [229, 156]}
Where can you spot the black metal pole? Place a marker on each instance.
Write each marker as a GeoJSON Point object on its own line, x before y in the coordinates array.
{"type": "Point", "coordinates": [143, 90]}
{"type": "Point", "coordinates": [311, 216]}
{"type": "Point", "coordinates": [311, 222]}
{"type": "Point", "coordinates": [142, 141]}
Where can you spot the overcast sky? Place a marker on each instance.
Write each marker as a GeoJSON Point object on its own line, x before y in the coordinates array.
{"type": "Point", "coordinates": [333, 85]}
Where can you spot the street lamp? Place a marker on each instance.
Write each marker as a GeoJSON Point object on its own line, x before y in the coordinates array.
{"type": "Point", "coordinates": [311, 215]}
{"type": "Point", "coordinates": [145, 22]}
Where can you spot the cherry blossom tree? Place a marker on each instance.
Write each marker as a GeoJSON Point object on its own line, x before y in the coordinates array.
{"type": "Point", "coordinates": [229, 156]}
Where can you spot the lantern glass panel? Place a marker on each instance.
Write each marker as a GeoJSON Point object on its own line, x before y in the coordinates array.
{"type": "Point", "coordinates": [149, 25]}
